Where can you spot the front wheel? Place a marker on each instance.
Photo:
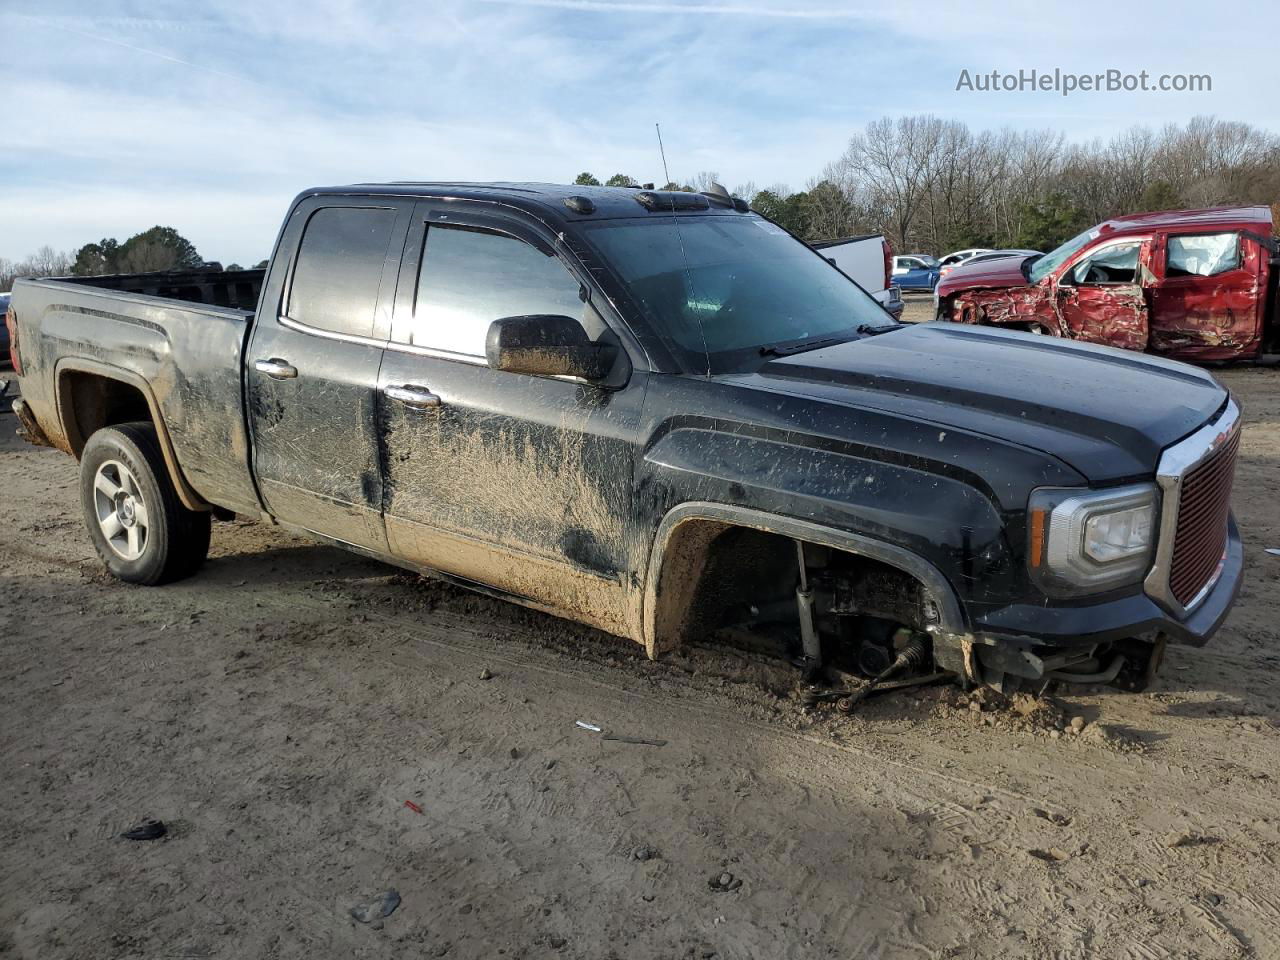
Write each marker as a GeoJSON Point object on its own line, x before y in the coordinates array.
{"type": "Point", "coordinates": [137, 524]}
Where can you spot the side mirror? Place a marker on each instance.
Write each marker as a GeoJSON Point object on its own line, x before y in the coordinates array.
{"type": "Point", "coordinates": [548, 345]}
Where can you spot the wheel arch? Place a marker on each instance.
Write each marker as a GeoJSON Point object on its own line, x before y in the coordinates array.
{"type": "Point", "coordinates": [122, 396]}
{"type": "Point", "coordinates": [942, 311]}
{"type": "Point", "coordinates": [682, 542]}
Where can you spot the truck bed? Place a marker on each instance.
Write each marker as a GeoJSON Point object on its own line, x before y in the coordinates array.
{"type": "Point", "coordinates": [223, 288]}
{"type": "Point", "coordinates": [181, 351]}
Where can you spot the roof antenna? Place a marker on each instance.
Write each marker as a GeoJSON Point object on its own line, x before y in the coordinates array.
{"type": "Point", "coordinates": [688, 273]}
{"type": "Point", "coordinates": [665, 173]}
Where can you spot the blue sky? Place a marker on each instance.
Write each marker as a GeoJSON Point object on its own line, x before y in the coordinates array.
{"type": "Point", "coordinates": [210, 117]}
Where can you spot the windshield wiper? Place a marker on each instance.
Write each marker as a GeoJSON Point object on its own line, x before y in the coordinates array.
{"type": "Point", "coordinates": [800, 346]}
{"type": "Point", "coordinates": [875, 329]}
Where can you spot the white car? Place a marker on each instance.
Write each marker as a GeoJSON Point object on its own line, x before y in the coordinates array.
{"type": "Point", "coordinates": [954, 259]}
{"type": "Point", "coordinates": [960, 256]}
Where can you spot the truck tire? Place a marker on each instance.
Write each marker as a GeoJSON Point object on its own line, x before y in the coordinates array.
{"type": "Point", "coordinates": [137, 524]}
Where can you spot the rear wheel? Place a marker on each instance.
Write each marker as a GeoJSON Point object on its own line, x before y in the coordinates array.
{"type": "Point", "coordinates": [137, 524]}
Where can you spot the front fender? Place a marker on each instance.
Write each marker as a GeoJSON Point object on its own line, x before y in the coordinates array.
{"type": "Point", "coordinates": [944, 518]}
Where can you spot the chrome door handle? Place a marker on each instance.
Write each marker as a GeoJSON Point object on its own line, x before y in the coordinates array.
{"type": "Point", "coordinates": [276, 369]}
{"type": "Point", "coordinates": [419, 398]}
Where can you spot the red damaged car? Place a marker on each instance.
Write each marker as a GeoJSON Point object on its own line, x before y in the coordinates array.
{"type": "Point", "coordinates": [1189, 284]}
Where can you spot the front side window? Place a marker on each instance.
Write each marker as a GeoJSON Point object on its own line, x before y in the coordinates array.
{"type": "Point", "coordinates": [1117, 263]}
{"type": "Point", "coordinates": [471, 277]}
{"type": "Point", "coordinates": [339, 267]}
{"type": "Point", "coordinates": [1060, 255]}
{"type": "Point", "coordinates": [1204, 255]}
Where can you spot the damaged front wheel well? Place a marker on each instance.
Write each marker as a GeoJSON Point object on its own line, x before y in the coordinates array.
{"type": "Point", "coordinates": [712, 572]}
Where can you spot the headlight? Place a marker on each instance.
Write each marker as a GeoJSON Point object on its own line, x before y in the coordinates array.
{"type": "Point", "coordinates": [1087, 542]}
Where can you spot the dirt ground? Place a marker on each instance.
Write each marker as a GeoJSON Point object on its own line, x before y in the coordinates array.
{"type": "Point", "coordinates": [918, 307]}
{"type": "Point", "coordinates": [278, 710]}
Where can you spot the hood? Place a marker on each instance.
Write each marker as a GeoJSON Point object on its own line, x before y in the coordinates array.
{"type": "Point", "coordinates": [1107, 413]}
{"type": "Point", "coordinates": [1002, 272]}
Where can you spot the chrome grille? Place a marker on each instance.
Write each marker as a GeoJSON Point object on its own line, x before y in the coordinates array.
{"type": "Point", "coordinates": [1201, 537]}
{"type": "Point", "coordinates": [1195, 478]}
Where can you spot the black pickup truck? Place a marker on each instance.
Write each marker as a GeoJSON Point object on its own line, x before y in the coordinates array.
{"type": "Point", "coordinates": [655, 412]}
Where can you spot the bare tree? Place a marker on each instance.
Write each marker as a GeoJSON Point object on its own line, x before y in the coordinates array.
{"type": "Point", "coordinates": [45, 262]}
{"type": "Point", "coordinates": [48, 262]}
{"type": "Point", "coordinates": [704, 179]}
{"type": "Point", "coordinates": [936, 185]}
{"type": "Point", "coordinates": [1212, 161]}
{"type": "Point", "coordinates": [962, 181]}
{"type": "Point", "coordinates": [891, 161]}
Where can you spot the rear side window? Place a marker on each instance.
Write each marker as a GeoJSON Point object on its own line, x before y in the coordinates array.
{"type": "Point", "coordinates": [1204, 255]}
{"type": "Point", "coordinates": [469, 278]}
{"type": "Point", "coordinates": [339, 268]}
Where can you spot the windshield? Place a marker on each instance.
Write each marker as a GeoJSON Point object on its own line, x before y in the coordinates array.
{"type": "Point", "coordinates": [1055, 258]}
{"type": "Point", "coordinates": [719, 289]}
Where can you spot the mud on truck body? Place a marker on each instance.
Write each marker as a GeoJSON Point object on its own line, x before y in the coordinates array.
{"type": "Point", "coordinates": [656, 413]}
